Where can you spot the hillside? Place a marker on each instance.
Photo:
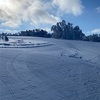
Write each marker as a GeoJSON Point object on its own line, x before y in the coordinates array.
{"type": "Point", "coordinates": [64, 70]}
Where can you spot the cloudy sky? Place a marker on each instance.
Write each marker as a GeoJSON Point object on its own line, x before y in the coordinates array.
{"type": "Point", "coordinates": [17, 15]}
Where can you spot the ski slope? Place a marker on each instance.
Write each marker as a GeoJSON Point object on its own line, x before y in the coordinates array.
{"type": "Point", "coordinates": [65, 70]}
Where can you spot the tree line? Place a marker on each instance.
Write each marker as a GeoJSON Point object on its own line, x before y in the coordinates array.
{"type": "Point", "coordinates": [34, 32]}
{"type": "Point", "coordinates": [66, 31]}
{"type": "Point", "coordinates": [61, 30]}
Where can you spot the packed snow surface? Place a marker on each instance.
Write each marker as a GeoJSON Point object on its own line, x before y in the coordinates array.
{"type": "Point", "coordinates": [22, 43]}
{"type": "Point", "coordinates": [66, 70]}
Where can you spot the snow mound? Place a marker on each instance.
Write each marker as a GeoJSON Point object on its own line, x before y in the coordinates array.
{"type": "Point", "coordinates": [75, 55]}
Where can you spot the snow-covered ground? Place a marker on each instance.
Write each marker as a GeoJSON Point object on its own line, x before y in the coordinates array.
{"type": "Point", "coordinates": [22, 43]}
{"type": "Point", "coordinates": [66, 70]}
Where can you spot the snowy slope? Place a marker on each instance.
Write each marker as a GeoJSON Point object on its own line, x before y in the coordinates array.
{"type": "Point", "coordinates": [66, 70]}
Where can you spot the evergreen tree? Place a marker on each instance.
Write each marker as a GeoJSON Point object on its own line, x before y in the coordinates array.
{"type": "Point", "coordinates": [66, 31]}
{"type": "Point", "coordinates": [6, 38]}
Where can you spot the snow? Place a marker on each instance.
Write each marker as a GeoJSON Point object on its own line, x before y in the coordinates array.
{"type": "Point", "coordinates": [22, 43]}
{"type": "Point", "coordinates": [66, 70]}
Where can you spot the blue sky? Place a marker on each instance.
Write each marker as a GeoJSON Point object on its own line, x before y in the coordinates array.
{"type": "Point", "coordinates": [17, 15]}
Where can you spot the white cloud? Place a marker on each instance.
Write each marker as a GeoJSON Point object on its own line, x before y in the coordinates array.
{"type": "Point", "coordinates": [8, 31]}
{"type": "Point", "coordinates": [39, 16]}
{"type": "Point", "coordinates": [98, 9]}
{"type": "Point", "coordinates": [12, 24]}
{"type": "Point", "coordinates": [96, 31]}
{"type": "Point", "coordinates": [47, 29]}
{"type": "Point", "coordinates": [14, 12]}
{"type": "Point", "coordinates": [74, 7]}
